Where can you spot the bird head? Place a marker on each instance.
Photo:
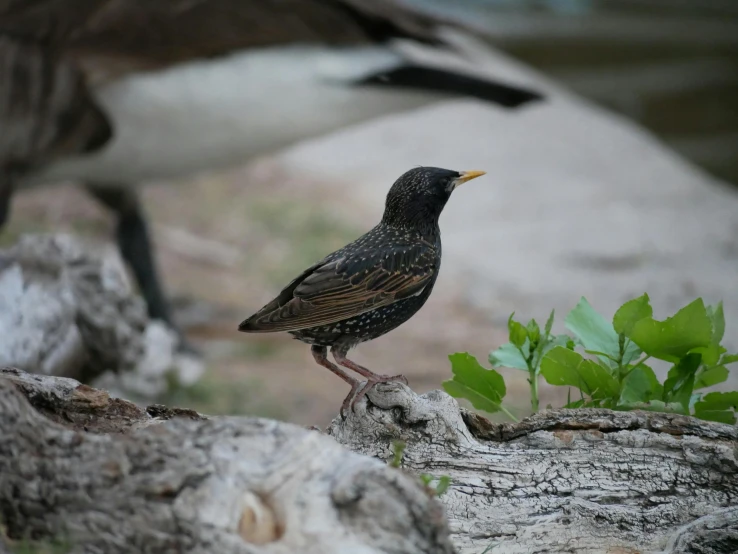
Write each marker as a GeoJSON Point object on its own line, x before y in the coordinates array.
{"type": "Point", "coordinates": [418, 197]}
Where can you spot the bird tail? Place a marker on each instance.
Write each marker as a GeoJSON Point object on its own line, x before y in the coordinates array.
{"type": "Point", "coordinates": [249, 326]}
{"type": "Point", "coordinates": [445, 81]}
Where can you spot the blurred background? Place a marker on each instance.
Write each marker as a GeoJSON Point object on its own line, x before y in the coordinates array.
{"type": "Point", "coordinates": [624, 182]}
{"type": "Point", "coordinates": [670, 65]}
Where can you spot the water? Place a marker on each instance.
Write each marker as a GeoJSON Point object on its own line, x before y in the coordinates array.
{"type": "Point", "coordinates": [671, 65]}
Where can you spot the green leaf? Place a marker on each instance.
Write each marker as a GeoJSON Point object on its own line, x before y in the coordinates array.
{"type": "Point", "coordinates": [508, 355]}
{"type": "Point", "coordinates": [484, 388]}
{"type": "Point", "coordinates": [711, 353]}
{"type": "Point", "coordinates": [563, 367]}
{"type": "Point", "coordinates": [696, 397]}
{"type": "Point", "coordinates": [518, 333]}
{"type": "Point", "coordinates": [426, 478]}
{"type": "Point", "coordinates": [653, 406]}
{"type": "Point", "coordinates": [630, 313]}
{"type": "Point", "coordinates": [549, 324]}
{"type": "Point", "coordinates": [721, 416]}
{"type": "Point", "coordinates": [631, 351]}
{"type": "Point", "coordinates": [600, 355]}
{"type": "Point", "coordinates": [679, 384]}
{"type": "Point", "coordinates": [673, 338]}
{"type": "Point", "coordinates": [546, 343]}
{"type": "Point", "coordinates": [592, 330]}
{"type": "Point", "coordinates": [534, 332]}
{"type": "Point", "coordinates": [716, 315]}
{"type": "Point", "coordinates": [443, 484]}
{"type": "Point", "coordinates": [718, 406]}
{"type": "Point", "coordinates": [720, 401]}
{"type": "Point", "coordinates": [641, 385]}
{"type": "Point", "coordinates": [558, 340]}
{"type": "Point", "coordinates": [729, 359]}
{"type": "Point", "coordinates": [398, 450]}
{"type": "Point", "coordinates": [576, 404]}
{"type": "Point", "coordinates": [710, 377]}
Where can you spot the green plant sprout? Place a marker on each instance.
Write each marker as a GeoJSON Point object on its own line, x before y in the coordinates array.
{"type": "Point", "coordinates": [398, 451]}
{"type": "Point", "coordinates": [614, 374]}
{"type": "Point", "coordinates": [25, 545]}
{"type": "Point", "coordinates": [443, 482]}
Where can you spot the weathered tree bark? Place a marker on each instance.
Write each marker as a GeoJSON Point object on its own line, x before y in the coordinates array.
{"type": "Point", "coordinates": [565, 480]}
{"type": "Point", "coordinates": [115, 478]}
{"type": "Point", "coordinates": [108, 477]}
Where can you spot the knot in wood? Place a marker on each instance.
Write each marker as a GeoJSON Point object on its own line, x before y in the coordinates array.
{"type": "Point", "coordinates": [258, 524]}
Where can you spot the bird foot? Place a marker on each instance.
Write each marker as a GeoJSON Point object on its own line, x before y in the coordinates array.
{"type": "Point", "coordinates": [359, 390]}
{"type": "Point", "coordinates": [389, 378]}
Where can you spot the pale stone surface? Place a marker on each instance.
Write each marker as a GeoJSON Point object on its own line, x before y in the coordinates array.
{"type": "Point", "coordinates": [67, 308]}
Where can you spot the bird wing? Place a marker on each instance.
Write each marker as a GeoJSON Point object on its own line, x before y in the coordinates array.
{"type": "Point", "coordinates": [53, 51]}
{"type": "Point", "coordinates": [68, 46]}
{"type": "Point", "coordinates": [341, 288]}
{"type": "Point", "coordinates": [140, 34]}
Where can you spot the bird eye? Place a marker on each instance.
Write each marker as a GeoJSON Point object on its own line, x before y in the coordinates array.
{"type": "Point", "coordinates": [447, 183]}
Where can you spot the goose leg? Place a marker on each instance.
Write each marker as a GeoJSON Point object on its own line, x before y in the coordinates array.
{"type": "Point", "coordinates": [134, 243]}
{"type": "Point", "coordinates": [6, 194]}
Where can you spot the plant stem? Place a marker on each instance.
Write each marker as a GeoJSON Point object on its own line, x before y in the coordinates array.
{"type": "Point", "coordinates": [533, 390]}
{"type": "Point", "coordinates": [508, 414]}
{"type": "Point", "coordinates": [532, 378]}
{"type": "Point", "coordinates": [641, 361]}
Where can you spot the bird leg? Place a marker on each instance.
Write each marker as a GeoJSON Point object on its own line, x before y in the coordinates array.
{"type": "Point", "coordinates": [373, 379]}
{"type": "Point", "coordinates": [340, 355]}
{"type": "Point", "coordinates": [320, 353]}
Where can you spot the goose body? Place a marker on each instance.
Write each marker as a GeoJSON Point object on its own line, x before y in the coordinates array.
{"type": "Point", "coordinates": [112, 93]}
{"type": "Point", "coordinates": [204, 115]}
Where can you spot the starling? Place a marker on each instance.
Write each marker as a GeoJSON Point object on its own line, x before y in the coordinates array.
{"type": "Point", "coordinates": [370, 286]}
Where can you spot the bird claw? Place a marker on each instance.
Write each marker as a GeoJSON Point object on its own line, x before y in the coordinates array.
{"type": "Point", "coordinates": [347, 401]}
{"type": "Point", "coordinates": [354, 396]}
{"type": "Point", "coordinates": [388, 379]}
{"type": "Point", "coordinates": [401, 378]}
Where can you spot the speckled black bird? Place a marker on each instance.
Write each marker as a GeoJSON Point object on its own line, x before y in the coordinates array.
{"type": "Point", "coordinates": [371, 286]}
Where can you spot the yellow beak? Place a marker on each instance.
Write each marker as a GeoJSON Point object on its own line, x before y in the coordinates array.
{"type": "Point", "coordinates": [468, 176]}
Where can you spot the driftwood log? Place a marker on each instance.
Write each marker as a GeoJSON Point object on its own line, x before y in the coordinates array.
{"type": "Point", "coordinates": [108, 477]}
{"type": "Point", "coordinates": [564, 480]}
{"type": "Point", "coordinates": [112, 477]}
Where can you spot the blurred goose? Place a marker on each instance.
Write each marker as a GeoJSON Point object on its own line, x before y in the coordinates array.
{"type": "Point", "coordinates": [111, 93]}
